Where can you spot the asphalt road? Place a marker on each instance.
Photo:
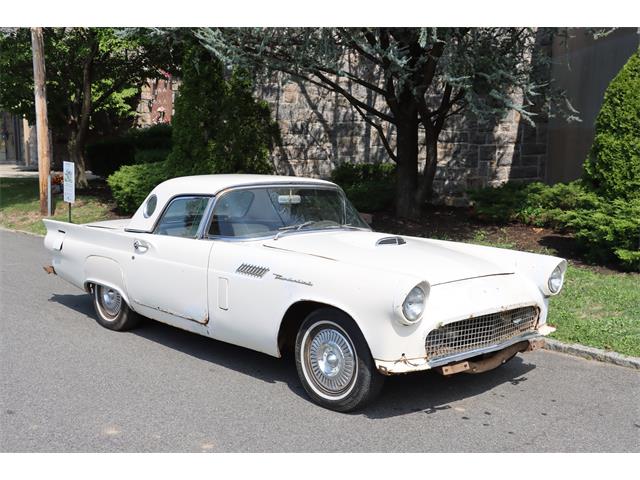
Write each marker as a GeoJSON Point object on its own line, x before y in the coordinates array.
{"type": "Point", "coordinates": [67, 384]}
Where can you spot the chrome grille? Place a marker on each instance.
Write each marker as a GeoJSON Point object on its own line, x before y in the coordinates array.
{"type": "Point", "coordinates": [480, 332]}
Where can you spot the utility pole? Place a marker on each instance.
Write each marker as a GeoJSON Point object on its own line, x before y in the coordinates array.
{"type": "Point", "coordinates": [42, 123]}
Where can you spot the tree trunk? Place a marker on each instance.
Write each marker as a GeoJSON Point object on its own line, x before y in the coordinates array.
{"type": "Point", "coordinates": [75, 147]}
{"type": "Point", "coordinates": [425, 191]}
{"type": "Point", "coordinates": [407, 165]}
{"type": "Point", "coordinates": [78, 139]}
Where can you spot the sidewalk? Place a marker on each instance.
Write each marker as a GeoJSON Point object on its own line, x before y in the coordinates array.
{"type": "Point", "coordinates": [10, 170]}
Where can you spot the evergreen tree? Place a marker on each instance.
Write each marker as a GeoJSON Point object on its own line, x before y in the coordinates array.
{"type": "Point", "coordinates": [219, 127]}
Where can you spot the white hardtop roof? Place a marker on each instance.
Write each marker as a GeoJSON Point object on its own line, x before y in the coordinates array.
{"type": "Point", "coordinates": [212, 184]}
{"type": "Point", "coordinates": [206, 185]}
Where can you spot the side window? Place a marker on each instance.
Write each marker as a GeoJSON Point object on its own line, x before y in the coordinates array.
{"type": "Point", "coordinates": [182, 217]}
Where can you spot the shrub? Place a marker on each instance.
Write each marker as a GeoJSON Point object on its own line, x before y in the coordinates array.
{"type": "Point", "coordinates": [155, 137]}
{"type": "Point", "coordinates": [607, 230]}
{"type": "Point", "coordinates": [610, 231]}
{"type": "Point", "coordinates": [131, 184]}
{"type": "Point", "coordinates": [533, 203]}
{"type": "Point", "coordinates": [152, 155]}
{"type": "Point", "coordinates": [613, 164]}
{"type": "Point", "coordinates": [105, 156]}
{"type": "Point", "coordinates": [219, 127]}
{"type": "Point", "coordinates": [370, 187]}
{"type": "Point", "coordinates": [141, 145]}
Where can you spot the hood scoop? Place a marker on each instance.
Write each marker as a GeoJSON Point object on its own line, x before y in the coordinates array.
{"type": "Point", "coordinates": [391, 241]}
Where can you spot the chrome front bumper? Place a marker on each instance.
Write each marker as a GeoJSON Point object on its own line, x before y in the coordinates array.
{"type": "Point", "coordinates": [408, 365]}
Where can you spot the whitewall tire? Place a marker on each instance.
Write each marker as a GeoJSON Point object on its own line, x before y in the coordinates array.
{"type": "Point", "coordinates": [334, 362]}
{"type": "Point", "coordinates": [111, 309]}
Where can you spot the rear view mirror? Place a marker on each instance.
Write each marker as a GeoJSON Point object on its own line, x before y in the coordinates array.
{"type": "Point", "coordinates": [289, 199]}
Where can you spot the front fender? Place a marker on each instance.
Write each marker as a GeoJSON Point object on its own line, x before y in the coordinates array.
{"type": "Point", "coordinates": [535, 266]}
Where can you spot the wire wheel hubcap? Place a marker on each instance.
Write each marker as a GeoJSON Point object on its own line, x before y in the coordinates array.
{"type": "Point", "coordinates": [110, 301]}
{"type": "Point", "coordinates": [330, 360]}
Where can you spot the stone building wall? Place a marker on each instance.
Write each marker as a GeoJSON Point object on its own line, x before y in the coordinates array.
{"type": "Point", "coordinates": [321, 130]}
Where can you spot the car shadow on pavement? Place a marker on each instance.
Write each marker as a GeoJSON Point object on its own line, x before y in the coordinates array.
{"type": "Point", "coordinates": [249, 362]}
{"type": "Point", "coordinates": [425, 392]}
{"type": "Point", "coordinates": [431, 393]}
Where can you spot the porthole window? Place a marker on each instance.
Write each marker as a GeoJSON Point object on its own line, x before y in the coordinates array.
{"type": "Point", "coordinates": [150, 206]}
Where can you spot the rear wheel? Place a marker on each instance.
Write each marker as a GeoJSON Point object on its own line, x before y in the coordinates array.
{"type": "Point", "coordinates": [334, 363]}
{"type": "Point", "coordinates": [112, 311]}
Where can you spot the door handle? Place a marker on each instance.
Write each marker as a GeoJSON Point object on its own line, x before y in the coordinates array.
{"type": "Point", "coordinates": [140, 246]}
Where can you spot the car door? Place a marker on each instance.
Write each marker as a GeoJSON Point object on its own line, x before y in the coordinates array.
{"type": "Point", "coordinates": [167, 272]}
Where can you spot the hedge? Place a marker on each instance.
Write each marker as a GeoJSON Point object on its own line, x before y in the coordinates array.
{"type": "Point", "coordinates": [131, 184]}
{"type": "Point", "coordinates": [141, 145]}
{"type": "Point", "coordinates": [370, 187]}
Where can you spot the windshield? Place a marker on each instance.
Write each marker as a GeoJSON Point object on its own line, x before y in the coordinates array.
{"type": "Point", "coordinates": [264, 211]}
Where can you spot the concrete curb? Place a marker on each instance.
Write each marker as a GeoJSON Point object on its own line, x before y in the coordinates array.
{"type": "Point", "coordinates": [591, 353]}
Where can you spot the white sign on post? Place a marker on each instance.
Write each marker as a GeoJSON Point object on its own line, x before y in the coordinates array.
{"type": "Point", "coordinates": [69, 174]}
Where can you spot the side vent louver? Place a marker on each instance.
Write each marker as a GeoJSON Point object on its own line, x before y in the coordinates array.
{"type": "Point", "coordinates": [391, 241]}
{"type": "Point", "coordinates": [252, 270]}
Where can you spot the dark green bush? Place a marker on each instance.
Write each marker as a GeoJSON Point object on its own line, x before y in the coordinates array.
{"type": "Point", "coordinates": [610, 231]}
{"type": "Point", "coordinates": [140, 145]}
{"type": "Point", "coordinates": [370, 187]}
{"type": "Point", "coordinates": [105, 156]}
{"type": "Point", "coordinates": [156, 137]}
{"type": "Point", "coordinates": [613, 165]}
{"type": "Point", "coordinates": [131, 184]}
{"type": "Point", "coordinates": [151, 155]}
{"type": "Point", "coordinates": [533, 203]}
{"type": "Point", "coordinates": [607, 230]}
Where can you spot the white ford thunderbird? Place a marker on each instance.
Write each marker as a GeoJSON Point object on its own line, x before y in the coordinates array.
{"type": "Point", "coordinates": [274, 263]}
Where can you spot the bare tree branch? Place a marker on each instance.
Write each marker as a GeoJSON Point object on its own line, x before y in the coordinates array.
{"type": "Point", "coordinates": [352, 100]}
{"type": "Point", "coordinates": [381, 133]}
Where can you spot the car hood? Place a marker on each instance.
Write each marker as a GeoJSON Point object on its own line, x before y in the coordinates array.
{"type": "Point", "coordinates": [431, 260]}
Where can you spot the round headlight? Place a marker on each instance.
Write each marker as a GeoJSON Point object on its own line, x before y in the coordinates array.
{"type": "Point", "coordinates": [556, 278]}
{"type": "Point", "coordinates": [413, 305]}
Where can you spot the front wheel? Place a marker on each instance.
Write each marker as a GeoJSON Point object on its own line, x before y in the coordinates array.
{"type": "Point", "coordinates": [113, 312]}
{"type": "Point", "coordinates": [334, 362]}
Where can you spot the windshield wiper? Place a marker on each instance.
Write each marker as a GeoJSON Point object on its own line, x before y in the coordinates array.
{"type": "Point", "coordinates": [299, 226]}
{"type": "Point", "coordinates": [290, 228]}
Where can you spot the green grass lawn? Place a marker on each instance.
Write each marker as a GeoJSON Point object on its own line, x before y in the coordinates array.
{"type": "Point", "coordinates": [600, 309]}
{"type": "Point", "coordinates": [19, 206]}
{"type": "Point", "coordinates": [594, 308]}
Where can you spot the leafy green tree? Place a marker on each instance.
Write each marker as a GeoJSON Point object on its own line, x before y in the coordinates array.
{"type": "Point", "coordinates": [93, 79]}
{"type": "Point", "coordinates": [219, 127]}
{"type": "Point", "coordinates": [613, 165]}
{"type": "Point", "coordinates": [421, 78]}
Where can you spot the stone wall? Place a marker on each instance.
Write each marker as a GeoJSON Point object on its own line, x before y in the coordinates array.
{"type": "Point", "coordinates": [321, 130]}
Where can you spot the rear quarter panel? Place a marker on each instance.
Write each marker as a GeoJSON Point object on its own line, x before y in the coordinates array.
{"type": "Point", "coordinates": [82, 253]}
